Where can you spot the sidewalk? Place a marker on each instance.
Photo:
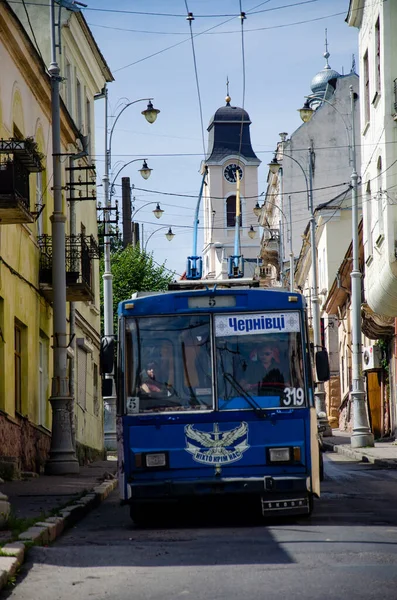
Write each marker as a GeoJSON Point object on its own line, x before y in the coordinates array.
{"type": "Point", "coordinates": [383, 454]}
{"type": "Point", "coordinates": [42, 507]}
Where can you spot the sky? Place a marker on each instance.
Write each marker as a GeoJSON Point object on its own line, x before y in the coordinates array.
{"type": "Point", "coordinates": [150, 55]}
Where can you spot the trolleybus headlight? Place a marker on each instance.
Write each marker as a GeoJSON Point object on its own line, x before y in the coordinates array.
{"type": "Point", "coordinates": [284, 455]}
{"type": "Point", "coordinates": [156, 460]}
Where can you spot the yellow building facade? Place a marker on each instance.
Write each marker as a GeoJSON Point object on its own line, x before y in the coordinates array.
{"type": "Point", "coordinates": [25, 247]}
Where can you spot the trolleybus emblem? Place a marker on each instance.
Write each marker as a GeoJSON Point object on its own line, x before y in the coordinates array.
{"type": "Point", "coordinates": [217, 447]}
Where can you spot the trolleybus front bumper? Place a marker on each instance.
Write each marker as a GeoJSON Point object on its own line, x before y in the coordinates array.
{"type": "Point", "coordinates": [279, 494]}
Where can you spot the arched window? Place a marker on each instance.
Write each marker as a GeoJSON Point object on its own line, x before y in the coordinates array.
{"type": "Point", "coordinates": [231, 212]}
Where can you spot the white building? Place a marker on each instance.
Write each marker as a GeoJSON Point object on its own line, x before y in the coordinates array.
{"type": "Point", "coordinates": [288, 200]}
{"type": "Point", "coordinates": [377, 21]}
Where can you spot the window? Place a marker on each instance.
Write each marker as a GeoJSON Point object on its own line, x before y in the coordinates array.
{"type": "Point", "coordinates": [96, 394]}
{"type": "Point", "coordinates": [68, 76]}
{"type": "Point", "coordinates": [366, 88]}
{"type": "Point", "coordinates": [231, 212]}
{"type": "Point", "coordinates": [379, 200]}
{"type": "Point", "coordinates": [39, 202]}
{"type": "Point", "coordinates": [168, 364]}
{"type": "Point", "coordinates": [81, 377]}
{"type": "Point", "coordinates": [258, 369]}
{"type": "Point", "coordinates": [368, 219]}
{"type": "Point", "coordinates": [88, 124]}
{"type": "Point", "coordinates": [18, 368]}
{"type": "Point", "coordinates": [79, 113]}
{"type": "Point", "coordinates": [377, 57]}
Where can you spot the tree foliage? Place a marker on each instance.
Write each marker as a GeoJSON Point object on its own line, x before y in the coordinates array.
{"type": "Point", "coordinates": [134, 271]}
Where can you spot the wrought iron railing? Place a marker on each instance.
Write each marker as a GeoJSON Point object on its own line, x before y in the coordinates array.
{"type": "Point", "coordinates": [14, 180]}
{"type": "Point", "coordinates": [80, 250]}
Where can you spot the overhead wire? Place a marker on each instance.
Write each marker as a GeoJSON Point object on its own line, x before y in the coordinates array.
{"type": "Point", "coordinates": [254, 30]}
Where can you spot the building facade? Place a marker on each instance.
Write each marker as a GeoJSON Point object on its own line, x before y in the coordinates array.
{"type": "Point", "coordinates": [376, 22]}
{"type": "Point", "coordinates": [314, 181]}
{"type": "Point", "coordinates": [26, 205]}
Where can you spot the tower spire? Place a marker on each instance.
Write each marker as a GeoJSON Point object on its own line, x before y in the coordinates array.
{"type": "Point", "coordinates": [228, 99]}
{"type": "Point", "coordinates": [326, 53]}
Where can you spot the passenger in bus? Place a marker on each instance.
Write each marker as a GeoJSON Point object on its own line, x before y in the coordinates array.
{"type": "Point", "coordinates": [264, 369]}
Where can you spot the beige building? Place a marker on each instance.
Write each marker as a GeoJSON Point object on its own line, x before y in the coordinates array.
{"type": "Point", "coordinates": [26, 205]}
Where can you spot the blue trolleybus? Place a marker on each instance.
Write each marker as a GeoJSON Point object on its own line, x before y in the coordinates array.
{"type": "Point", "coordinates": [215, 397]}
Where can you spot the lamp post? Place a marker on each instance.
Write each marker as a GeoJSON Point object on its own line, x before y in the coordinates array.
{"type": "Point", "coordinates": [169, 235]}
{"type": "Point", "coordinates": [319, 394]}
{"type": "Point", "coordinates": [362, 435]}
{"type": "Point", "coordinates": [62, 459]}
{"type": "Point", "coordinates": [150, 114]}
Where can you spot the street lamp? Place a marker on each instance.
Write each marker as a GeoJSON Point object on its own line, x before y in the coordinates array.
{"type": "Point", "coordinates": [251, 232]}
{"type": "Point", "coordinates": [274, 167]}
{"type": "Point", "coordinates": [150, 114]}
{"type": "Point", "coordinates": [257, 209]}
{"type": "Point", "coordinates": [362, 435]}
{"type": "Point", "coordinates": [169, 235]}
{"type": "Point", "coordinates": [158, 211]}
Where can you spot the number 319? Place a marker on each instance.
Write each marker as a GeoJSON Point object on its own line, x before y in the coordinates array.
{"type": "Point", "coordinates": [293, 397]}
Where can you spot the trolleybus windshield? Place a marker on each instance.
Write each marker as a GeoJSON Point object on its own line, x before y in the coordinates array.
{"type": "Point", "coordinates": [169, 364]}
{"type": "Point", "coordinates": [259, 361]}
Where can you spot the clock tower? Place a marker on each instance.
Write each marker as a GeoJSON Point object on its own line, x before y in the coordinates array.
{"type": "Point", "coordinates": [230, 157]}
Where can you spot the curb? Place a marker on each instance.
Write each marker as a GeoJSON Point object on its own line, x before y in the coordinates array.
{"type": "Point", "coordinates": [50, 529]}
{"type": "Point", "coordinates": [362, 456]}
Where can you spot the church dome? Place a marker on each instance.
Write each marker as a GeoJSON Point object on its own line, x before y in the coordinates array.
{"type": "Point", "coordinates": [230, 114]}
{"type": "Point", "coordinates": [320, 81]}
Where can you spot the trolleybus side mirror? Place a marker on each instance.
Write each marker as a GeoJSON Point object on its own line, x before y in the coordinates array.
{"type": "Point", "coordinates": [322, 365]}
{"type": "Point", "coordinates": [107, 355]}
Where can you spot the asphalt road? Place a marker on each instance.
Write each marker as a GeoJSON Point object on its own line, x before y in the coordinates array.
{"type": "Point", "coordinates": [346, 550]}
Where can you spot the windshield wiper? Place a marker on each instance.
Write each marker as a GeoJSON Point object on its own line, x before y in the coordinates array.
{"type": "Point", "coordinates": [247, 397]}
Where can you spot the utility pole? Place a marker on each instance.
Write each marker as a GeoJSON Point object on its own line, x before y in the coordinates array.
{"type": "Point", "coordinates": [126, 200]}
{"type": "Point", "coordinates": [62, 458]}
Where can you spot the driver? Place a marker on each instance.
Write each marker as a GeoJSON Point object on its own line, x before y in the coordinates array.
{"type": "Point", "coordinates": [149, 383]}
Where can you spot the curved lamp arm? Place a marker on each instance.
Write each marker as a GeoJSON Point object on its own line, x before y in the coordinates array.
{"type": "Point", "coordinates": [170, 234]}
{"type": "Point", "coordinates": [117, 118]}
{"type": "Point", "coordinates": [144, 206]}
{"type": "Point", "coordinates": [275, 166]}
{"type": "Point", "coordinates": [121, 168]}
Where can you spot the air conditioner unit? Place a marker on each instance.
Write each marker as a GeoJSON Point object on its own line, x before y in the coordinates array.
{"type": "Point", "coordinates": [371, 357]}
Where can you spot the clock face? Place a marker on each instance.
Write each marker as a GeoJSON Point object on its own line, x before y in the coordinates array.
{"type": "Point", "coordinates": [230, 173]}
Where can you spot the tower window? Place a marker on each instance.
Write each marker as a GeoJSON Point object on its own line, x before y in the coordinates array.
{"type": "Point", "coordinates": [231, 212]}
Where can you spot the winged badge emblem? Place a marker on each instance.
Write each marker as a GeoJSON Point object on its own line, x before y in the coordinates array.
{"type": "Point", "coordinates": [217, 447]}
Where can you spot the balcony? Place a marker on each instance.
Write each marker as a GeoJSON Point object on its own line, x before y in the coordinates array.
{"type": "Point", "coordinates": [80, 252]}
{"type": "Point", "coordinates": [18, 158]}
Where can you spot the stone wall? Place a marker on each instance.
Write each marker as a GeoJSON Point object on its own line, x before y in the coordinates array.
{"type": "Point", "coordinates": [333, 400]}
{"type": "Point", "coordinates": [24, 447]}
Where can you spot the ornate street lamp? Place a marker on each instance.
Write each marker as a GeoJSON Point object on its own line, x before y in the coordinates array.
{"type": "Point", "coordinates": [251, 232]}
